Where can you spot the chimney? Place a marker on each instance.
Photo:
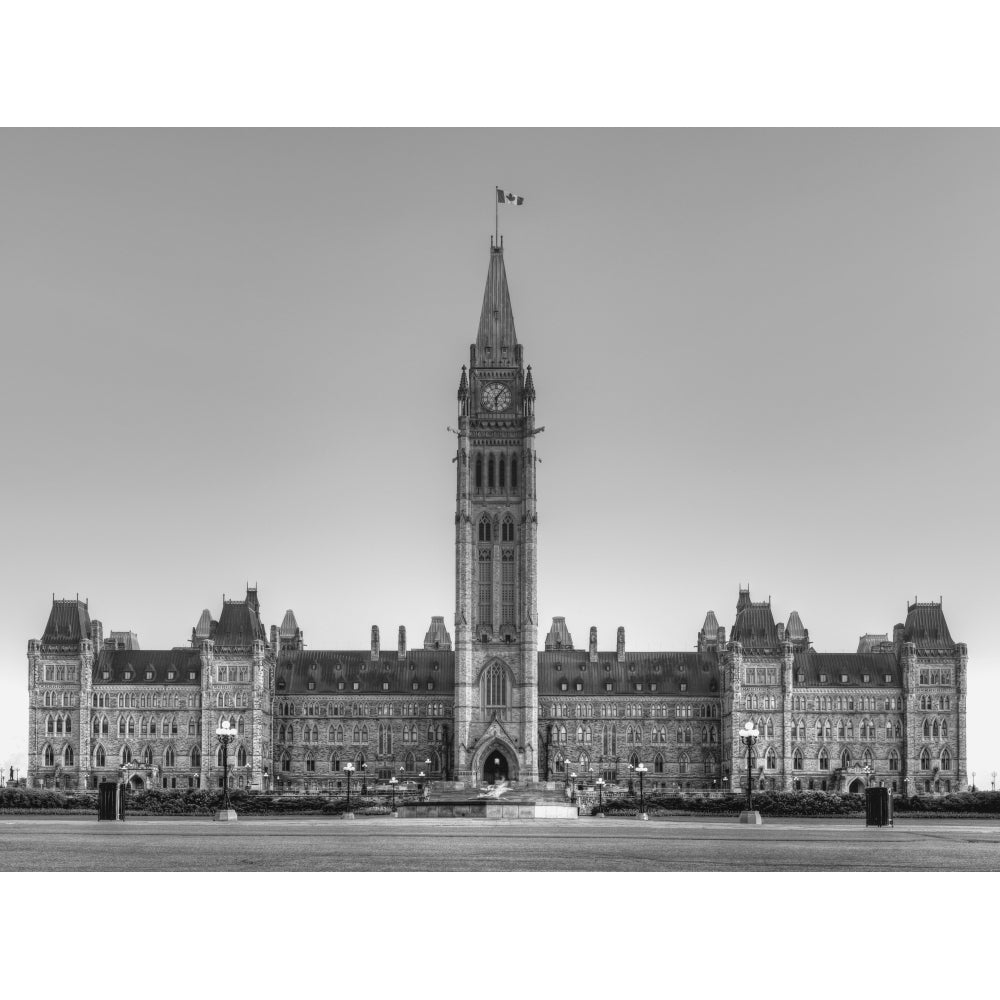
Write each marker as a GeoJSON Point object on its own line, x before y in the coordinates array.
{"type": "Point", "coordinates": [375, 643]}
{"type": "Point", "coordinates": [621, 643]}
{"type": "Point", "coordinates": [97, 635]}
{"type": "Point", "coordinates": [781, 631]}
{"type": "Point", "coordinates": [275, 640]}
{"type": "Point", "coordinates": [401, 650]}
{"type": "Point", "coordinates": [593, 643]}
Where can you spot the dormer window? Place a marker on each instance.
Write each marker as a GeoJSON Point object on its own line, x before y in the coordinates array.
{"type": "Point", "coordinates": [608, 686]}
{"type": "Point", "coordinates": [430, 685]}
{"type": "Point", "coordinates": [563, 686]}
{"type": "Point", "coordinates": [356, 685]}
{"type": "Point", "coordinates": [638, 686]}
{"type": "Point", "coordinates": [801, 679]}
{"type": "Point", "coordinates": [866, 678]}
{"type": "Point", "coordinates": [843, 678]}
{"type": "Point", "coordinates": [684, 686]}
{"type": "Point", "coordinates": [652, 687]}
{"type": "Point", "coordinates": [311, 685]}
{"type": "Point", "coordinates": [822, 678]}
{"type": "Point", "coordinates": [888, 678]}
{"type": "Point", "coordinates": [579, 685]}
{"type": "Point", "coordinates": [340, 685]}
{"type": "Point", "coordinates": [385, 685]}
{"type": "Point", "coordinates": [171, 674]}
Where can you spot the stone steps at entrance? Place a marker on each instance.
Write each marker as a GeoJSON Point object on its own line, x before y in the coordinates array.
{"type": "Point", "coordinates": [522, 791]}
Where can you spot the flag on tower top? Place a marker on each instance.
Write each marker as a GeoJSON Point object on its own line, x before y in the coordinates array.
{"type": "Point", "coordinates": [508, 199]}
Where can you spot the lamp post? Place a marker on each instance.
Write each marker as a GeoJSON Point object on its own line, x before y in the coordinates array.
{"type": "Point", "coordinates": [973, 780]}
{"type": "Point", "coordinates": [572, 787]}
{"type": "Point", "coordinates": [600, 796]}
{"type": "Point", "coordinates": [427, 765]}
{"type": "Point", "coordinates": [224, 736]}
{"type": "Point", "coordinates": [393, 781]}
{"type": "Point", "coordinates": [748, 736]}
{"type": "Point", "coordinates": [867, 770]}
{"type": "Point", "coordinates": [348, 770]}
{"type": "Point", "coordinates": [265, 787]}
{"type": "Point", "coordinates": [641, 769]}
{"type": "Point", "coordinates": [364, 777]}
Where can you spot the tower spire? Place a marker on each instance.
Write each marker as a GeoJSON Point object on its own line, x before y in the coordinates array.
{"type": "Point", "coordinates": [496, 338]}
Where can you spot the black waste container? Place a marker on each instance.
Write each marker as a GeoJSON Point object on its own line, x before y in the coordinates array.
{"type": "Point", "coordinates": [110, 800]}
{"type": "Point", "coordinates": [878, 807]}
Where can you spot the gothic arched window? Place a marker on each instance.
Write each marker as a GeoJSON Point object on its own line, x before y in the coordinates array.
{"type": "Point", "coordinates": [507, 529]}
{"type": "Point", "coordinates": [845, 758]}
{"type": "Point", "coordinates": [503, 473]}
{"type": "Point", "coordinates": [68, 757]}
{"type": "Point", "coordinates": [195, 757]}
{"type": "Point", "coordinates": [658, 764]}
{"type": "Point", "coordinates": [485, 529]}
{"type": "Point", "coordinates": [770, 759]}
{"type": "Point", "coordinates": [495, 687]}
{"type": "Point", "coordinates": [100, 758]}
{"type": "Point", "coordinates": [168, 757]}
{"type": "Point", "coordinates": [241, 757]}
{"type": "Point", "coordinates": [50, 757]}
{"type": "Point", "coordinates": [797, 760]}
{"type": "Point", "coordinates": [491, 478]}
{"type": "Point", "coordinates": [945, 760]}
{"type": "Point", "coordinates": [126, 755]}
{"type": "Point", "coordinates": [925, 760]}
{"type": "Point", "coordinates": [513, 472]}
{"type": "Point", "coordinates": [479, 472]}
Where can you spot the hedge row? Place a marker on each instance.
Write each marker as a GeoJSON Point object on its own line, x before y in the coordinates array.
{"type": "Point", "coordinates": [806, 804]}
{"type": "Point", "coordinates": [196, 802]}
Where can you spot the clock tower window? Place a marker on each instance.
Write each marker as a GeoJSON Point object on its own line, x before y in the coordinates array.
{"type": "Point", "coordinates": [503, 477]}
{"type": "Point", "coordinates": [491, 481]}
{"type": "Point", "coordinates": [485, 529]}
{"type": "Point", "coordinates": [479, 472]}
{"type": "Point", "coordinates": [513, 472]}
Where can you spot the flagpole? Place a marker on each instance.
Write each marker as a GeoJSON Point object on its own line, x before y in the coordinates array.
{"type": "Point", "coordinates": [496, 213]}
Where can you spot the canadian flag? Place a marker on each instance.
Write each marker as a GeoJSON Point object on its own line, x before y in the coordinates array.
{"type": "Point", "coordinates": [508, 199]}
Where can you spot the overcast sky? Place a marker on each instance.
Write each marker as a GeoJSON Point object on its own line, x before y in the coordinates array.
{"type": "Point", "coordinates": [760, 356]}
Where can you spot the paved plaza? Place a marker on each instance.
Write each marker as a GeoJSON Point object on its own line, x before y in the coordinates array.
{"type": "Point", "coordinates": [383, 844]}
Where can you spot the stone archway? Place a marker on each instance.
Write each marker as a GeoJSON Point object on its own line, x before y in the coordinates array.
{"type": "Point", "coordinates": [496, 767]}
{"type": "Point", "coordinates": [857, 786]}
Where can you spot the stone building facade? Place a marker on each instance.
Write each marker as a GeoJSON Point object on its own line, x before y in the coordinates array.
{"type": "Point", "coordinates": [492, 706]}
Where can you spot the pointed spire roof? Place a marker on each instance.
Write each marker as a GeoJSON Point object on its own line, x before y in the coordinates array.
{"type": "Point", "coordinates": [289, 626]}
{"type": "Point", "coordinates": [203, 630]}
{"type": "Point", "coordinates": [529, 385]}
{"type": "Point", "coordinates": [496, 322]}
{"type": "Point", "coordinates": [463, 385]}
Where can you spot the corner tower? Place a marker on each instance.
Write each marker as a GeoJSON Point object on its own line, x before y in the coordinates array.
{"type": "Point", "coordinates": [496, 612]}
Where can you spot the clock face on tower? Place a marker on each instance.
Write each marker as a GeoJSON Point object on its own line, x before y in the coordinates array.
{"type": "Point", "coordinates": [495, 396]}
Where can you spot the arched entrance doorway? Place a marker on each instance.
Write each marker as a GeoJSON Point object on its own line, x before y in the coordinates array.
{"type": "Point", "coordinates": [495, 767]}
{"type": "Point", "coordinates": [137, 783]}
{"type": "Point", "coordinates": [857, 787]}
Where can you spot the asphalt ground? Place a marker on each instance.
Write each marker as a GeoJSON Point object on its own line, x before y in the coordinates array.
{"type": "Point", "coordinates": [587, 844]}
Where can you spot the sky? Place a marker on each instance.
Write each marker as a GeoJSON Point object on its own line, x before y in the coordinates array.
{"type": "Point", "coordinates": [761, 356]}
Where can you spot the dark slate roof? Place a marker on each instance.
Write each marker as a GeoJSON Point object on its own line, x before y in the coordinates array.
{"type": "Point", "coordinates": [239, 624]}
{"type": "Point", "coordinates": [496, 321]}
{"type": "Point", "coordinates": [854, 665]}
{"type": "Point", "coordinates": [711, 626]}
{"type": "Point", "coordinates": [118, 662]}
{"type": "Point", "coordinates": [559, 635]}
{"type": "Point", "coordinates": [289, 626]}
{"type": "Point", "coordinates": [754, 627]}
{"type": "Point", "coordinates": [667, 671]}
{"type": "Point", "coordinates": [326, 667]}
{"type": "Point", "coordinates": [69, 621]}
{"type": "Point", "coordinates": [925, 626]}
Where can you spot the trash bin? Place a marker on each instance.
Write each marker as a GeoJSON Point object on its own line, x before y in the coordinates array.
{"type": "Point", "coordinates": [110, 800]}
{"type": "Point", "coordinates": [878, 807]}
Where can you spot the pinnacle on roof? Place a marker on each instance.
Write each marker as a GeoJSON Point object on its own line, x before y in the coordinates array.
{"type": "Point", "coordinates": [529, 385]}
{"type": "Point", "coordinates": [463, 385]}
{"type": "Point", "coordinates": [203, 630]}
{"type": "Point", "coordinates": [795, 630]}
{"type": "Point", "coordinates": [558, 637]}
{"type": "Point", "coordinates": [289, 626]}
{"type": "Point", "coordinates": [437, 636]}
{"type": "Point", "coordinates": [711, 626]}
{"type": "Point", "coordinates": [496, 339]}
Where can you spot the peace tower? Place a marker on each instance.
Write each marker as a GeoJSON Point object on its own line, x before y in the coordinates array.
{"type": "Point", "coordinates": [496, 524]}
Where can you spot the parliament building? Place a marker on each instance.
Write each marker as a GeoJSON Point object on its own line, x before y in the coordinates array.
{"type": "Point", "coordinates": [485, 703]}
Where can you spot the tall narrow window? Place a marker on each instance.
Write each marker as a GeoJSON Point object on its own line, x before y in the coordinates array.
{"type": "Point", "coordinates": [168, 757]}
{"type": "Point", "coordinates": [100, 757]}
{"type": "Point", "coordinates": [68, 757]}
{"type": "Point", "coordinates": [503, 473]}
{"type": "Point", "coordinates": [241, 757]}
{"type": "Point", "coordinates": [507, 586]}
{"type": "Point", "coordinates": [491, 474]}
{"type": "Point", "coordinates": [195, 757]}
{"type": "Point", "coordinates": [513, 472]}
{"type": "Point", "coordinates": [495, 687]}
{"type": "Point", "coordinates": [485, 529]}
{"type": "Point", "coordinates": [50, 757]}
{"type": "Point", "coordinates": [485, 619]}
{"type": "Point", "coordinates": [479, 472]}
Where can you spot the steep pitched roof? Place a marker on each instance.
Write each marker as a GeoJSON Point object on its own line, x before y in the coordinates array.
{"type": "Point", "coordinates": [854, 666]}
{"type": "Point", "coordinates": [754, 626]}
{"type": "Point", "coordinates": [795, 631]}
{"type": "Point", "coordinates": [327, 669]}
{"type": "Point", "coordinates": [289, 626]}
{"type": "Point", "coordinates": [69, 622]}
{"type": "Point", "coordinates": [925, 626]}
{"type": "Point", "coordinates": [437, 636]}
{"type": "Point", "coordinates": [131, 666]}
{"type": "Point", "coordinates": [496, 321]}
{"type": "Point", "coordinates": [239, 624]}
{"type": "Point", "coordinates": [684, 674]}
